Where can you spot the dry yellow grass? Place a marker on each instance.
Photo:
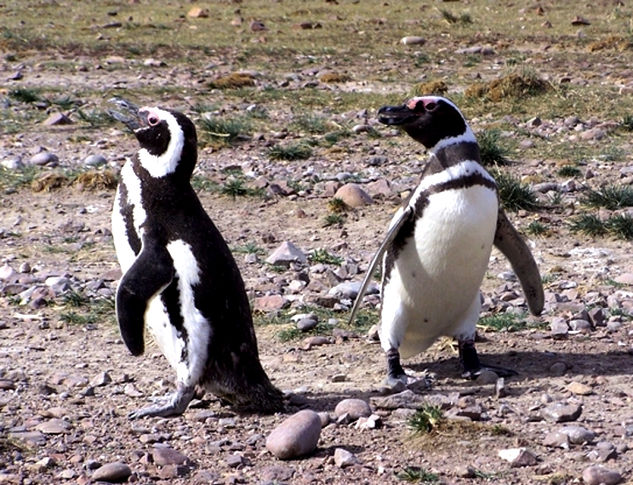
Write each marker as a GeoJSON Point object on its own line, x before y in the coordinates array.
{"type": "Point", "coordinates": [233, 80]}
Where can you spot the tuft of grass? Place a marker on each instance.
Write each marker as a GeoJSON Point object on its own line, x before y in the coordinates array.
{"type": "Point", "coordinates": [514, 86]}
{"type": "Point", "coordinates": [311, 123]}
{"type": "Point", "coordinates": [14, 179]}
{"type": "Point", "coordinates": [513, 194]}
{"type": "Point", "coordinates": [291, 151]}
{"type": "Point", "coordinates": [95, 117]}
{"type": "Point", "coordinates": [508, 322]}
{"type": "Point", "coordinates": [588, 224]}
{"type": "Point", "coordinates": [611, 197]}
{"type": "Point", "coordinates": [75, 299]}
{"type": "Point", "coordinates": [98, 310]}
{"type": "Point", "coordinates": [536, 228]}
{"type": "Point", "coordinates": [569, 171]}
{"type": "Point", "coordinates": [334, 220]}
{"type": "Point", "coordinates": [451, 18]}
{"type": "Point", "coordinates": [627, 122]}
{"type": "Point", "coordinates": [621, 226]}
{"type": "Point", "coordinates": [233, 81]}
{"type": "Point", "coordinates": [323, 256]}
{"type": "Point", "coordinates": [25, 95]}
{"type": "Point", "coordinates": [336, 205]}
{"type": "Point", "coordinates": [436, 87]}
{"type": "Point", "coordinates": [248, 248]}
{"type": "Point", "coordinates": [426, 419]}
{"type": "Point", "coordinates": [226, 130]}
{"type": "Point", "coordinates": [96, 180]}
{"type": "Point", "coordinates": [236, 187]}
{"type": "Point", "coordinates": [334, 77]}
{"type": "Point", "coordinates": [490, 151]}
{"type": "Point", "coordinates": [201, 183]}
{"type": "Point", "coordinates": [414, 474]}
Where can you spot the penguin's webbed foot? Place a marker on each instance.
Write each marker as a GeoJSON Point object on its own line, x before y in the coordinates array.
{"type": "Point", "coordinates": [396, 378]}
{"type": "Point", "coordinates": [170, 405]}
{"type": "Point", "coordinates": [472, 366]}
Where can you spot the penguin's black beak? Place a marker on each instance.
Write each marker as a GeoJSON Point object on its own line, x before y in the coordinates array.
{"type": "Point", "coordinates": [131, 117]}
{"type": "Point", "coordinates": [396, 115]}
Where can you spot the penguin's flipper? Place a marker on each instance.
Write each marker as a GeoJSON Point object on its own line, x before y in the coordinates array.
{"type": "Point", "coordinates": [151, 272]}
{"type": "Point", "coordinates": [389, 237]}
{"type": "Point", "coordinates": [510, 243]}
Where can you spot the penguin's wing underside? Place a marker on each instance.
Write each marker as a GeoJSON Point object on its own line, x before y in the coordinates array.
{"type": "Point", "coordinates": [389, 237]}
{"type": "Point", "coordinates": [151, 272]}
{"type": "Point", "coordinates": [510, 243]}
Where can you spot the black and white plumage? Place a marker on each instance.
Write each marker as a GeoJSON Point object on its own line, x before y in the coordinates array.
{"type": "Point", "coordinates": [437, 248]}
{"type": "Point", "coordinates": [179, 277]}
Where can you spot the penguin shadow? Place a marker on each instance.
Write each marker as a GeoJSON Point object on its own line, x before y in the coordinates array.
{"type": "Point", "coordinates": [538, 365]}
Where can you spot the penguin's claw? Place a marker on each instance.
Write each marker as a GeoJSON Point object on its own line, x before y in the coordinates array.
{"type": "Point", "coordinates": [170, 405]}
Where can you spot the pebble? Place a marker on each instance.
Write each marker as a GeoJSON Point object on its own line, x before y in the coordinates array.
{"type": "Point", "coordinates": [44, 159]}
{"type": "Point", "coordinates": [558, 368]}
{"type": "Point", "coordinates": [112, 472]}
{"type": "Point", "coordinates": [413, 40]}
{"type": "Point", "coordinates": [296, 436]}
{"type": "Point", "coordinates": [353, 195]}
{"type": "Point", "coordinates": [556, 439]}
{"type": "Point", "coordinates": [270, 303]}
{"type": "Point", "coordinates": [285, 254]}
{"type": "Point", "coordinates": [95, 160]}
{"type": "Point", "coordinates": [101, 379]}
{"type": "Point", "coordinates": [57, 119]}
{"type": "Point", "coordinates": [306, 324]}
{"type": "Point", "coordinates": [53, 426]}
{"type": "Point", "coordinates": [578, 435]}
{"type": "Point", "coordinates": [599, 475]}
{"type": "Point", "coordinates": [344, 458]}
{"type": "Point", "coordinates": [486, 377]}
{"type": "Point", "coordinates": [561, 412]}
{"type": "Point", "coordinates": [165, 455]}
{"type": "Point", "coordinates": [579, 388]}
{"type": "Point", "coordinates": [518, 457]}
{"type": "Point", "coordinates": [354, 408]}
{"type": "Point", "coordinates": [558, 327]}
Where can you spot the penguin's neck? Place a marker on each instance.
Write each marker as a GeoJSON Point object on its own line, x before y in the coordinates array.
{"type": "Point", "coordinates": [449, 155]}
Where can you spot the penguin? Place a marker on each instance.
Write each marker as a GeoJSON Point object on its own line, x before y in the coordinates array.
{"type": "Point", "coordinates": [179, 278]}
{"type": "Point", "coordinates": [438, 243]}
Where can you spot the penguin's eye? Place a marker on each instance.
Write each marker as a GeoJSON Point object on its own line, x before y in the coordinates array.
{"type": "Point", "coordinates": [430, 106]}
{"type": "Point", "coordinates": [153, 120]}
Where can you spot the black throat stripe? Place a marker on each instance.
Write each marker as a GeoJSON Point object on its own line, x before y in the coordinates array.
{"type": "Point", "coordinates": [406, 232]}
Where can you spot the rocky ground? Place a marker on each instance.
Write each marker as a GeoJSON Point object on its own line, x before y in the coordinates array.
{"type": "Point", "coordinates": [67, 382]}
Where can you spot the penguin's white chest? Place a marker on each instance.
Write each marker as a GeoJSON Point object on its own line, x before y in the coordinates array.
{"type": "Point", "coordinates": [433, 289]}
{"type": "Point", "coordinates": [186, 349]}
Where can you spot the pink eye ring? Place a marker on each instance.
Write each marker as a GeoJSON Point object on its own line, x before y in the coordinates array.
{"type": "Point", "coordinates": [153, 120]}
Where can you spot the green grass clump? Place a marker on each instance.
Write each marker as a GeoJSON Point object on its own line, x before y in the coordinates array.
{"type": "Point", "coordinates": [426, 419]}
{"type": "Point", "coordinates": [248, 248]}
{"type": "Point", "coordinates": [610, 197]}
{"type": "Point", "coordinates": [509, 322]}
{"type": "Point", "coordinates": [588, 224]}
{"type": "Point", "coordinates": [414, 474]}
{"type": "Point", "coordinates": [15, 179]}
{"type": "Point", "coordinates": [513, 194]}
{"type": "Point", "coordinates": [291, 151]}
{"type": "Point", "coordinates": [627, 122]}
{"type": "Point", "coordinates": [536, 228]}
{"type": "Point", "coordinates": [324, 257]}
{"type": "Point", "coordinates": [236, 187]}
{"type": "Point", "coordinates": [204, 184]}
{"type": "Point", "coordinates": [25, 95]}
{"type": "Point", "coordinates": [621, 226]}
{"type": "Point", "coordinates": [311, 123]}
{"type": "Point", "coordinates": [75, 299]}
{"type": "Point", "coordinates": [569, 171]}
{"type": "Point", "coordinates": [333, 220]}
{"type": "Point", "coordinates": [490, 151]}
{"type": "Point", "coordinates": [225, 130]}
{"type": "Point", "coordinates": [451, 18]}
{"type": "Point", "coordinates": [97, 310]}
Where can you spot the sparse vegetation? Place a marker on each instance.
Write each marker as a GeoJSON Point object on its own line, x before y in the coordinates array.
{"type": "Point", "coordinates": [325, 257]}
{"type": "Point", "coordinates": [451, 18]}
{"type": "Point", "coordinates": [490, 150]}
{"type": "Point", "coordinates": [536, 228]}
{"type": "Point", "coordinates": [334, 220]}
{"type": "Point", "coordinates": [611, 197]}
{"type": "Point", "coordinates": [506, 322]}
{"type": "Point", "coordinates": [225, 130]}
{"type": "Point", "coordinates": [290, 151]}
{"type": "Point", "coordinates": [426, 419]}
{"type": "Point", "coordinates": [413, 474]}
{"type": "Point", "coordinates": [569, 171]}
{"type": "Point", "coordinates": [588, 224]}
{"type": "Point", "coordinates": [513, 194]}
{"type": "Point", "coordinates": [236, 187]}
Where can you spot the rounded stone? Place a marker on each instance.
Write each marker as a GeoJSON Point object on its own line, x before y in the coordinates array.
{"type": "Point", "coordinates": [164, 455]}
{"type": "Point", "coordinates": [597, 475]}
{"type": "Point", "coordinates": [112, 472]}
{"type": "Point", "coordinates": [578, 434]}
{"type": "Point", "coordinates": [354, 408]}
{"type": "Point", "coordinates": [296, 436]}
{"type": "Point", "coordinates": [95, 160]}
{"type": "Point", "coordinates": [44, 158]}
{"type": "Point", "coordinates": [353, 195]}
{"type": "Point", "coordinates": [306, 324]}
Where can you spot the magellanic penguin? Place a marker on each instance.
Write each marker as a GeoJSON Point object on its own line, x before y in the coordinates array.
{"type": "Point", "coordinates": [437, 248]}
{"type": "Point", "coordinates": [179, 277]}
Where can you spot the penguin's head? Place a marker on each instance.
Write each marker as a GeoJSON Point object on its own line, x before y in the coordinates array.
{"type": "Point", "coordinates": [167, 138]}
{"type": "Point", "coordinates": [427, 119]}
{"type": "Point", "coordinates": [168, 142]}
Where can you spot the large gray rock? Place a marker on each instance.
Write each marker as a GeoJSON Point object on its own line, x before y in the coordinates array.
{"type": "Point", "coordinates": [599, 475]}
{"type": "Point", "coordinates": [112, 472]}
{"type": "Point", "coordinates": [298, 435]}
{"type": "Point", "coordinates": [354, 408]}
{"type": "Point", "coordinates": [287, 253]}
